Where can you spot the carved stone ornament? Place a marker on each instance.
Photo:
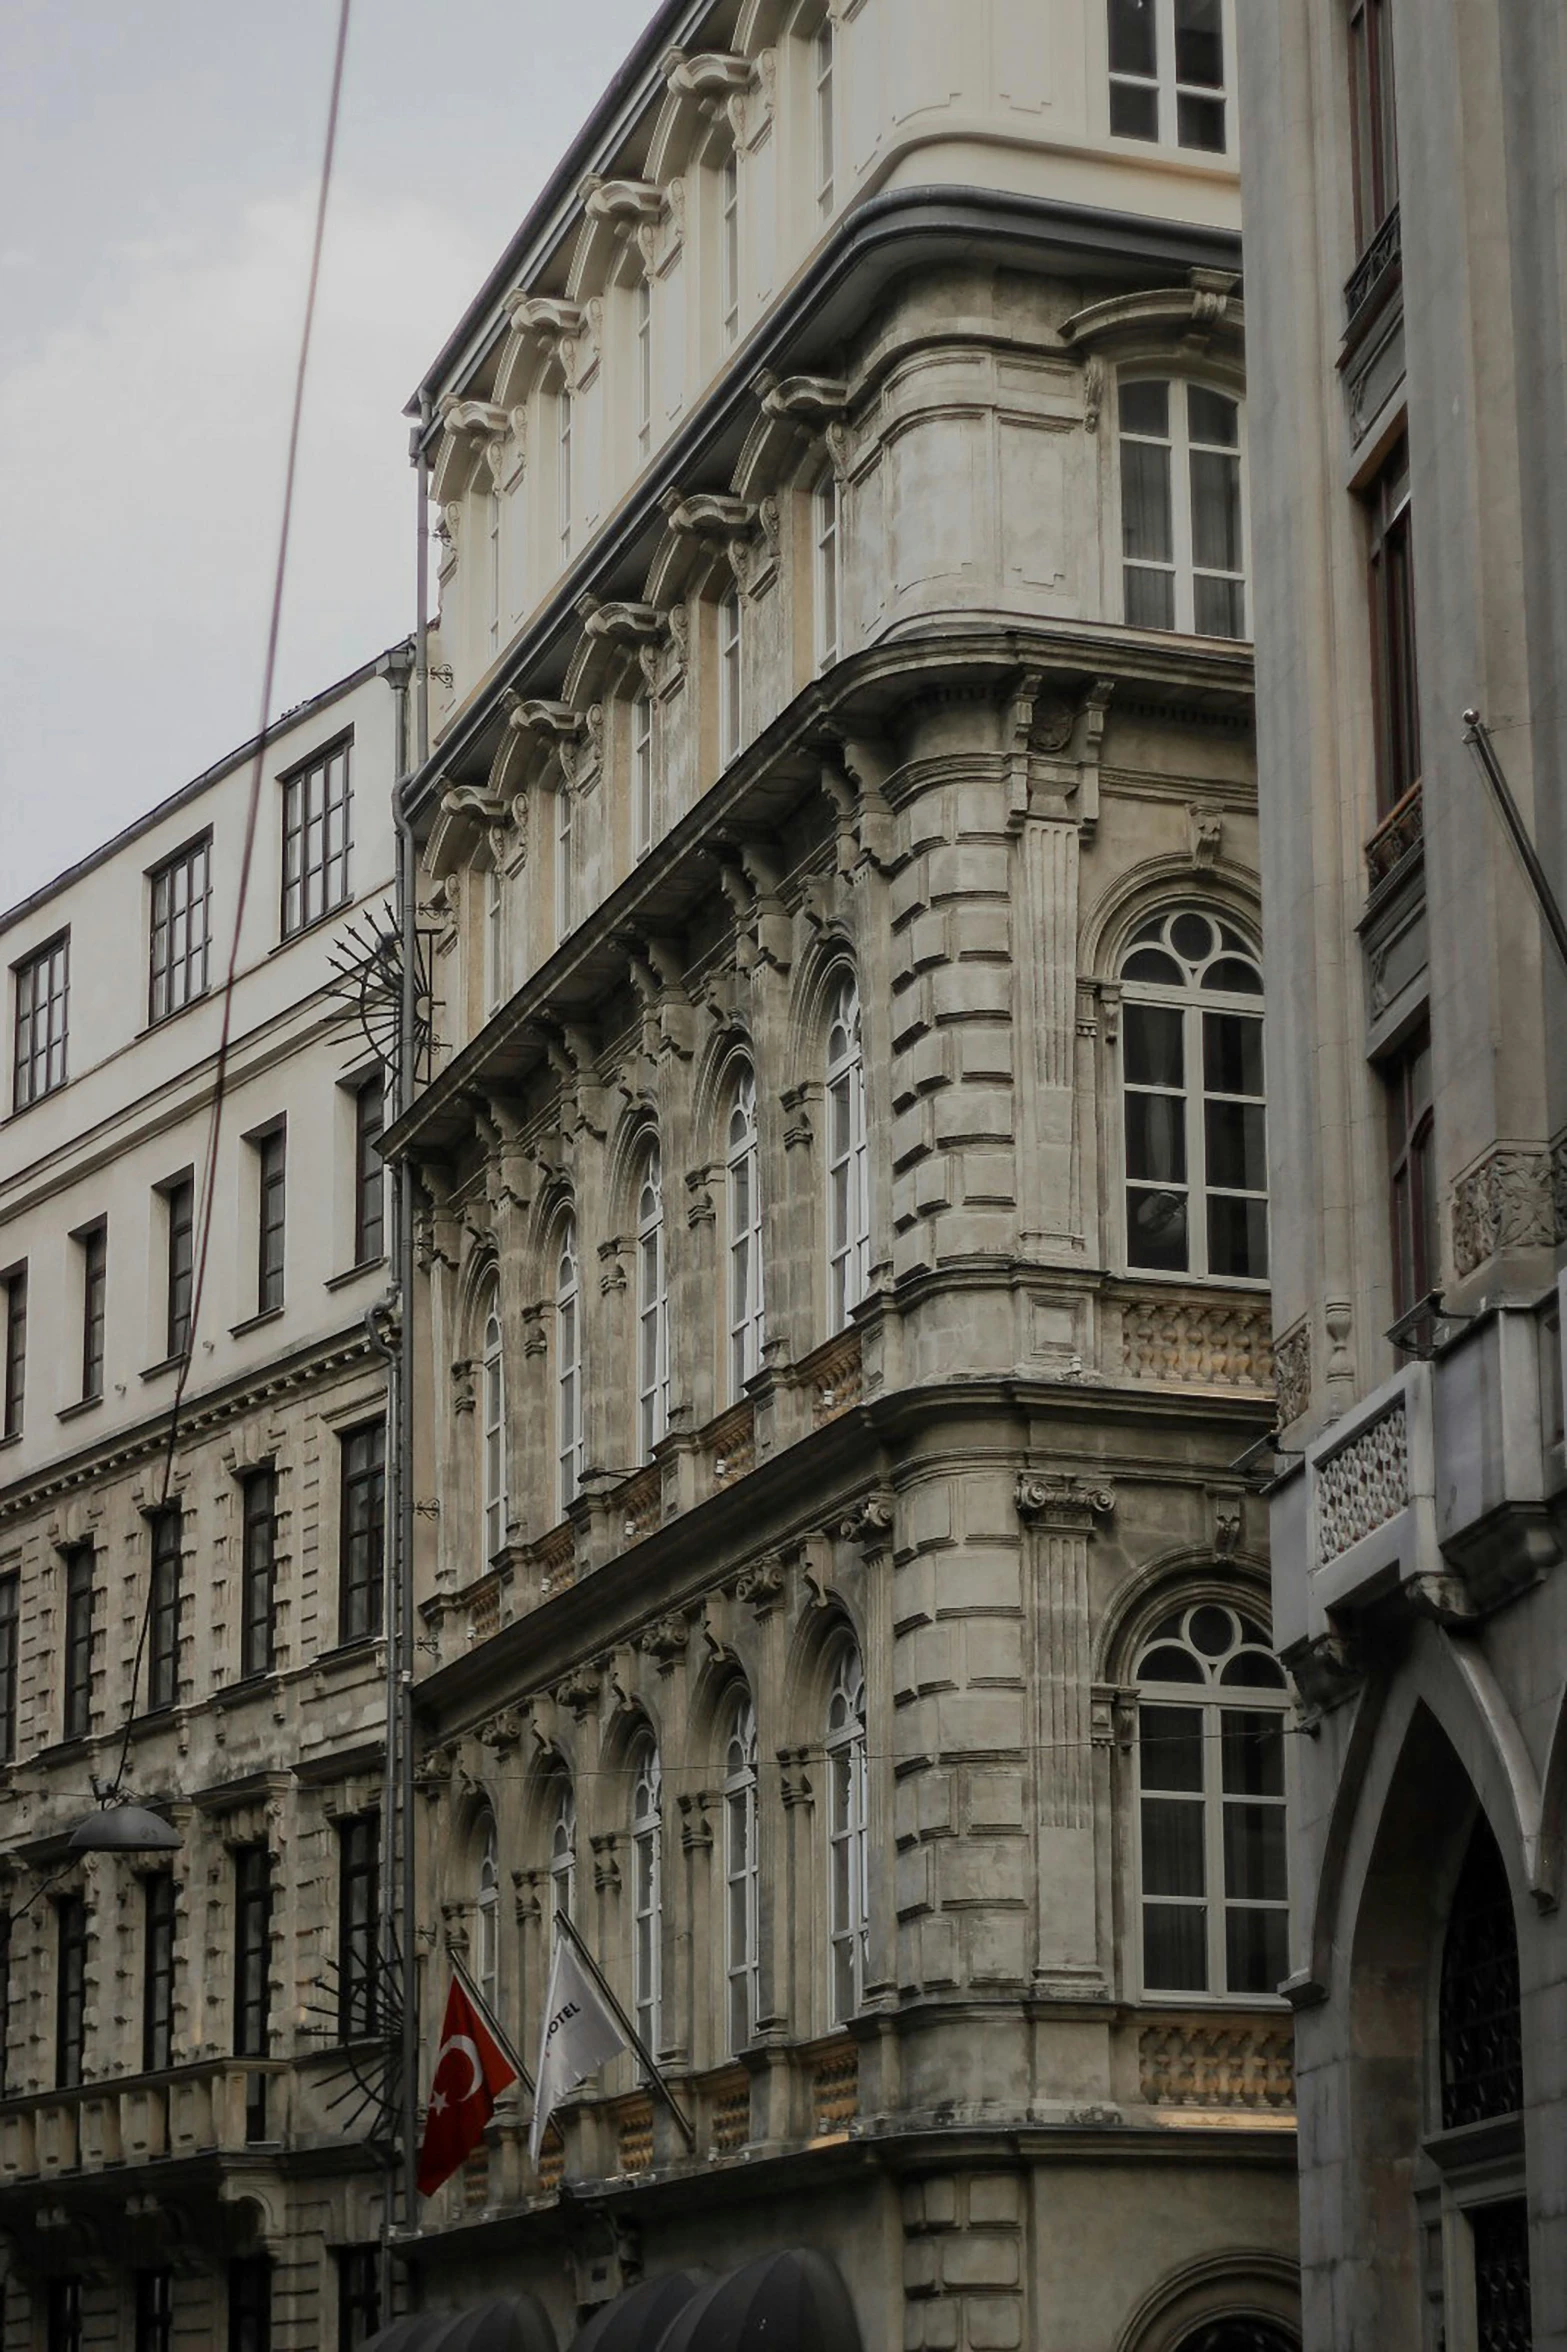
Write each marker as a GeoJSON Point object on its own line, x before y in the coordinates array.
{"type": "Point", "coordinates": [713, 74]}
{"type": "Point", "coordinates": [1061, 1501]}
{"type": "Point", "coordinates": [1325, 1667]}
{"type": "Point", "coordinates": [813, 399]}
{"type": "Point", "coordinates": [628, 203]}
{"type": "Point", "coordinates": [696, 1829]}
{"type": "Point", "coordinates": [761, 1585]}
{"type": "Point", "coordinates": [1444, 1599]}
{"type": "Point", "coordinates": [474, 416]}
{"type": "Point", "coordinates": [665, 1642]}
{"type": "Point", "coordinates": [1506, 1203]}
{"type": "Point", "coordinates": [1205, 833]}
{"type": "Point", "coordinates": [1364, 1485]}
{"type": "Point", "coordinates": [624, 624]}
{"type": "Point", "coordinates": [1292, 1371]}
{"type": "Point", "coordinates": [578, 1690]}
{"type": "Point", "coordinates": [870, 1522]}
{"type": "Point", "coordinates": [710, 514]}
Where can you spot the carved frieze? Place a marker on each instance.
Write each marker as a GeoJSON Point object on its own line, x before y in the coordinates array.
{"type": "Point", "coordinates": [1062, 1501]}
{"type": "Point", "coordinates": [1507, 1202]}
{"type": "Point", "coordinates": [1292, 1371]}
{"type": "Point", "coordinates": [1363, 1485]}
{"type": "Point", "coordinates": [1179, 1339]}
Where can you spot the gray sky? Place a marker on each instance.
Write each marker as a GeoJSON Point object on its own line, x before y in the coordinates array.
{"type": "Point", "coordinates": [158, 162]}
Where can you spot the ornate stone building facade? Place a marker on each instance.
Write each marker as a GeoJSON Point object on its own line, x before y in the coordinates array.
{"type": "Point", "coordinates": [192, 1599]}
{"type": "Point", "coordinates": [844, 1214]}
{"type": "Point", "coordinates": [1404, 240]}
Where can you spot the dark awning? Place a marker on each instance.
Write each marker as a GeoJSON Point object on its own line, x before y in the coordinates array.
{"type": "Point", "coordinates": [788, 2302]}
{"type": "Point", "coordinates": [519, 2325]}
{"type": "Point", "coordinates": [638, 2320]}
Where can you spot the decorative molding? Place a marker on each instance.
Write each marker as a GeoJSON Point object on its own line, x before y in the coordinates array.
{"type": "Point", "coordinates": [1327, 1668]}
{"type": "Point", "coordinates": [1194, 316]}
{"type": "Point", "coordinates": [1363, 1485]}
{"type": "Point", "coordinates": [1061, 1501]}
{"type": "Point", "coordinates": [710, 514]}
{"type": "Point", "coordinates": [578, 1690]}
{"type": "Point", "coordinates": [1223, 1345]}
{"type": "Point", "coordinates": [870, 1522]}
{"type": "Point", "coordinates": [1292, 1371]}
{"type": "Point", "coordinates": [814, 400]}
{"type": "Point", "coordinates": [1192, 2064]}
{"type": "Point", "coordinates": [1507, 1201]}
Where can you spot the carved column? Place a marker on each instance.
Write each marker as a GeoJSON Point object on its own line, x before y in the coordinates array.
{"type": "Point", "coordinates": [1059, 1514]}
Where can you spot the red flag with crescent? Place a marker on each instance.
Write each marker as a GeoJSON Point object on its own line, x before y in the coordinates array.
{"type": "Point", "coordinates": [471, 2070]}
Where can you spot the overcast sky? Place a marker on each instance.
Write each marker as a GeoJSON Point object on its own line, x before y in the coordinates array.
{"type": "Point", "coordinates": [158, 163]}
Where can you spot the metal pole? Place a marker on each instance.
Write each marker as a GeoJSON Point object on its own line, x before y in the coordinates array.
{"type": "Point", "coordinates": [1478, 737]}
{"type": "Point", "coordinates": [628, 2029]}
{"type": "Point", "coordinates": [504, 2042]}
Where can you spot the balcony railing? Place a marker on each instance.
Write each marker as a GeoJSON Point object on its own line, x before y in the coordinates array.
{"type": "Point", "coordinates": [1374, 272]}
{"type": "Point", "coordinates": [212, 2108]}
{"type": "Point", "coordinates": [1401, 830]}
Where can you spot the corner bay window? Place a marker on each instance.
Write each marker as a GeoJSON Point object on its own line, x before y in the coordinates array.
{"type": "Point", "coordinates": [1195, 1118]}
{"type": "Point", "coordinates": [317, 838]}
{"type": "Point", "coordinates": [1210, 1778]}
{"type": "Point", "coordinates": [1167, 72]}
{"type": "Point", "coordinates": [1182, 526]}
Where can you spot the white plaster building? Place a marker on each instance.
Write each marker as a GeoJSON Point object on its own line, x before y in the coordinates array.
{"type": "Point", "coordinates": [844, 1207]}
{"type": "Point", "coordinates": [1405, 246]}
{"type": "Point", "coordinates": [170, 2171]}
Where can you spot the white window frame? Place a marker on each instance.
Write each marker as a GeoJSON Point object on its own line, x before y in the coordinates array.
{"type": "Point", "coordinates": [1182, 568]}
{"type": "Point", "coordinates": [487, 1919]}
{"type": "Point", "coordinates": [565, 855]}
{"type": "Point", "coordinates": [1213, 1698]}
{"type": "Point", "coordinates": [644, 794]}
{"type": "Point", "coordinates": [729, 245]}
{"type": "Point", "coordinates": [827, 543]}
{"type": "Point", "coordinates": [493, 529]}
{"type": "Point", "coordinates": [652, 1306]}
{"type": "Point", "coordinates": [742, 1878]}
{"type": "Point", "coordinates": [492, 1395]}
{"type": "Point", "coordinates": [848, 1835]}
{"type": "Point", "coordinates": [847, 1161]}
{"type": "Point", "coordinates": [1169, 91]}
{"type": "Point", "coordinates": [494, 937]}
{"type": "Point", "coordinates": [563, 485]}
{"type": "Point", "coordinates": [1191, 1001]}
{"type": "Point", "coordinates": [823, 64]}
{"type": "Point", "coordinates": [747, 1278]}
{"type": "Point", "coordinates": [644, 341]}
{"type": "Point", "coordinates": [568, 1364]}
{"type": "Point", "coordinates": [731, 675]}
{"type": "Point", "coordinates": [647, 1891]}
{"type": "Point", "coordinates": [563, 1855]}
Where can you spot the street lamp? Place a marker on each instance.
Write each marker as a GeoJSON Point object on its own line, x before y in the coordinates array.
{"type": "Point", "coordinates": [124, 1829]}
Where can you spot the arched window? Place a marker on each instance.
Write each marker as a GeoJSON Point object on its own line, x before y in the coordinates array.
{"type": "Point", "coordinates": [826, 533]}
{"type": "Point", "coordinates": [493, 1405]}
{"type": "Point", "coordinates": [1210, 1779]}
{"type": "Point", "coordinates": [848, 1885]}
{"type": "Point", "coordinates": [826, 142]}
{"type": "Point", "coordinates": [1183, 538]}
{"type": "Point", "coordinates": [730, 715]}
{"type": "Point", "coordinates": [568, 1364]}
{"type": "Point", "coordinates": [487, 1941]}
{"type": "Point", "coordinates": [652, 1308]}
{"type": "Point", "coordinates": [563, 487]}
{"type": "Point", "coordinates": [848, 1176]}
{"type": "Point", "coordinates": [1196, 1132]}
{"type": "Point", "coordinates": [647, 1889]}
{"type": "Point", "coordinates": [729, 244]}
{"type": "Point", "coordinates": [563, 1853]}
{"type": "Point", "coordinates": [644, 300]}
{"type": "Point", "coordinates": [1480, 2029]}
{"type": "Point", "coordinates": [644, 813]}
{"type": "Point", "coordinates": [742, 1930]}
{"type": "Point", "coordinates": [746, 1316]}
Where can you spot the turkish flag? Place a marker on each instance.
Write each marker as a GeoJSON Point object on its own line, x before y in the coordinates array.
{"type": "Point", "coordinates": [471, 2070]}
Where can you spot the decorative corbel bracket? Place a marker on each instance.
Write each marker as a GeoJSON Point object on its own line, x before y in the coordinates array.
{"type": "Point", "coordinates": [1060, 1502]}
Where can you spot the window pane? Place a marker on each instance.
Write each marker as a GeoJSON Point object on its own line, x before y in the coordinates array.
{"type": "Point", "coordinates": [1151, 963]}
{"type": "Point", "coordinates": [1156, 1137]}
{"type": "Point", "coordinates": [1175, 1954]}
{"type": "Point", "coordinates": [1169, 1665]}
{"type": "Point", "coordinates": [1199, 43]}
{"type": "Point", "coordinates": [1218, 607]}
{"type": "Point", "coordinates": [1132, 37]}
{"type": "Point", "coordinates": [1237, 1237]}
{"type": "Point", "coordinates": [1134, 110]}
{"type": "Point", "coordinates": [1255, 1950]}
{"type": "Point", "coordinates": [1156, 1230]}
{"type": "Point", "coordinates": [1253, 1853]}
{"type": "Point", "coordinates": [1169, 1746]}
{"type": "Point", "coordinates": [1216, 511]}
{"type": "Point", "coordinates": [1172, 1846]}
{"type": "Point", "coordinates": [1151, 1042]}
{"type": "Point", "coordinates": [1199, 122]}
{"type": "Point", "coordinates": [1145, 498]}
{"type": "Point", "coordinates": [1237, 1147]}
{"type": "Point", "coordinates": [1150, 600]}
{"type": "Point", "coordinates": [1252, 1745]}
{"type": "Point", "coordinates": [1212, 416]}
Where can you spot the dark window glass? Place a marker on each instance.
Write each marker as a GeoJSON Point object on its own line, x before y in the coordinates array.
{"type": "Point", "coordinates": [42, 1009]}
{"type": "Point", "coordinates": [1412, 1173]}
{"type": "Point", "coordinates": [258, 1571]}
{"type": "Point", "coordinates": [1504, 2317]}
{"type": "Point", "coordinates": [1480, 2033]}
{"type": "Point", "coordinates": [250, 2304]}
{"type": "Point", "coordinates": [70, 2000]}
{"type": "Point", "coordinates": [1375, 130]}
{"type": "Point", "coordinates": [271, 1170]}
{"type": "Point", "coordinates": [64, 2321]}
{"type": "Point", "coordinates": [317, 838]}
{"type": "Point", "coordinates": [358, 1919]}
{"type": "Point", "coordinates": [10, 1610]}
{"type": "Point", "coordinates": [358, 2296]}
{"type": "Point", "coordinates": [1134, 69]}
{"type": "Point", "coordinates": [1394, 667]}
{"type": "Point", "coordinates": [179, 936]}
{"type": "Point", "coordinates": [15, 1351]}
{"type": "Point", "coordinates": [79, 1598]}
{"type": "Point", "coordinates": [154, 2310]}
{"type": "Point", "coordinates": [5, 2013]}
{"type": "Point", "coordinates": [157, 2006]}
{"type": "Point", "coordinates": [369, 1174]}
{"type": "Point", "coordinates": [1199, 76]}
{"type": "Point", "coordinates": [362, 1541]}
{"type": "Point", "coordinates": [163, 1645]}
{"type": "Point", "coordinates": [252, 1950]}
{"type": "Point", "coordinates": [95, 1293]}
{"type": "Point", "coordinates": [180, 1206]}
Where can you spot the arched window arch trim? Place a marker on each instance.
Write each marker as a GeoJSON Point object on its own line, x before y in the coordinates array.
{"type": "Point", "coordinates": [742, 1867]}
{"type": "Point", "coordinates": [487, 1911]}
{"type": "Point", "coordinates": [564, 1263]}
{"type": "Point", "coordinates": [745, 1272]}
{"type": "Point", "coordinates": [647, 1885]}
{"type": "Point", "coordinates": [845, 1741]}
{"type": "Point", "coordinates": [846, 1154]}
{"type": "Point", "coordinates": [494, 1502]}
{"type": "Point", "coordinates": [652, 1296]}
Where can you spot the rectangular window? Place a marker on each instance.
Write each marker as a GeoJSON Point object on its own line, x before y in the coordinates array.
{"type": "Point", "coordinates": [179, 1204]}
{"type": "Point", "coordinates": [362, 1541]}
{"type": "Point", "coordinates": [642, 796]}
{"type": "Point", "coordinates": [825, 141]}
{"type": "Point", "coordinates": [42, 1009]}
{"type": "Point", "coordinates": [358, 2296]}
{"type": "Point", "coordinates": [15, 1350]}
{"type": "Point", "coordinates": [494, 938]}
{"type": "Point", "coordinates": [94, 1246]}
{"type": "Point", "coordinates": [181, 889]}
{"type": "Point", "coordinates": [730, 716]}
{"type": "Point", "coordinates": [154, 2311]}
{"type": "Point", "coordinates": [70, 1990]}
{"type": "Point", "coordinates": [79, 1597]}
{"type": "Point", "coordinates": [252, 1951]}
{"type": "Point", "coordinates": [1412, 1184]}
{"type": "Point", "coordinates": [271, 1188]}
{"type": "Point", "coordinates": [563, 483]}
{"type": "Point", "coordinates": [1373, 118]}
{"type": "Point", "coordinates": [10, 1598]}
{"type": "Point", "coordinates": [317, 839]}
{"type": "Point", "coordinates": [358, 1926]}
{"type": "Point", "coordinates": [1167, 73]}
{"type": "Point", "coordinates": [644, 366]}
{"type": "Point", "coordinates": [1394, 672]}
{"type": "Point", "coordinates": [250, 2304]}
{"type": "Point", "coordinates": [825, 508]}
{"type": "Point", "coordinates": [258, 1572]}
{"type": "Point", "coordinates": [370, 1171]}
{"type": "Point", "coordinates": [494, 517]}
{"type": "Point", "coordinates": [165, 1532]}
{"type": "Point", "coordinates": [157, 1980]}
{"type": "Point", "coordinates": [729, 204]}
{"type": "Point", "coordinates": [565, 893]}
{"type": "Point", "coordinates": [64, 2322]}
{"type": "Point", "coordinates": [1182, 532]}
{"type": "Point", "coordinates": [1211, 1825]}
{"type": "Point", "coordinates": [5, 2018]}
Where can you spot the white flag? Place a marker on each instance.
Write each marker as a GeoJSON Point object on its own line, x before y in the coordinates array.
{"type": "Point", "coordinates": [579, 2034]}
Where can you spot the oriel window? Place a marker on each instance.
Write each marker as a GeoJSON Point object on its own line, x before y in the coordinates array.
{"type": "Point", "coordinates": [258, 1572]}
{"type": "Point", "coordinates": [166, 1532]}
{"type": "Point", "coordinates": [42, 1014]}
{"type": "Point", "coordinates": [1182, 526]}
{"type": "Point", "coordinates": [317, 840]}
{"type": "Point", "coordinates": [178, 945]}
{"type": "Point", "coordinates": [362, 1546]}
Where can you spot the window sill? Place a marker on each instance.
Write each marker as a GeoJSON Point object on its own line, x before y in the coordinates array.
{"type": "Point", "coordinates": [248, 1686]}
{"type": "Point", "coordinates": [352, 1274]}
{"type": "Point", "coordinates": [256, 1322]}
{"type": "Point", "coordinates": [151, 1027]}
{"type": "Point", "coordinates": [20, 1110]}
{"type": "Point", "coordinates": [169, 1364]}
{"type": "Point", "coordinates": [81, 1406]}
{"type": "Point", "coordinates": [12, 1437]}
{"type": "Point", "coordinates": [347, 1653]}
